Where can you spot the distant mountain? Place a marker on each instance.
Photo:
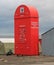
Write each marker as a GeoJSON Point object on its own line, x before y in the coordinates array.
{"type": "Point", "coordinates": [4, 36]}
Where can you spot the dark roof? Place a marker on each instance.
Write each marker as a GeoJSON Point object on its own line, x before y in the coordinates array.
{"type": "Point", "coordinates": [47, 31]}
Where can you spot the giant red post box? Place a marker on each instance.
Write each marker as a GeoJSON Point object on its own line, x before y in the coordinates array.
{"type": "Point", "coordinates": [26, 30]}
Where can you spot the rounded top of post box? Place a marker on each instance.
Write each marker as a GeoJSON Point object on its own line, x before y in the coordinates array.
{"type": "Point", "coordinates": [26, 11]}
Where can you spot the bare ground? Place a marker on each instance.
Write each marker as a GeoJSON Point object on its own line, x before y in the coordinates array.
{"type": "Point", "coordinates": [26, 60]}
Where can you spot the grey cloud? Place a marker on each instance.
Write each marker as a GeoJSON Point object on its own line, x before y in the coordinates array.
{"type": "Point", "coordinates": [8, 7]}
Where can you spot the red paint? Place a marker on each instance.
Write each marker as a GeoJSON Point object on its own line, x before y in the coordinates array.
{"type": "Point", "coordinates": [26, 28]}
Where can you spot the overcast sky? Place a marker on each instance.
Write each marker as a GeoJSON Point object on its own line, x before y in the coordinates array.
{"type": "Point", "coordinates": [8, 7]}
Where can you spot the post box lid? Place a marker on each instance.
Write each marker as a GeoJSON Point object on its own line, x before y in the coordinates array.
{"type": "Point", "coordinates": [25, 11]}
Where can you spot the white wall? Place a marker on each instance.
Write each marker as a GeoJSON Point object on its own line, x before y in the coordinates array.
{"type": "Point", "coordinates": [7, 40]}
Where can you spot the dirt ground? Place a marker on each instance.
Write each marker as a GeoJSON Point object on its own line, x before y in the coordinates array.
{"type": "Point", "coordinates": [26, 60]}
